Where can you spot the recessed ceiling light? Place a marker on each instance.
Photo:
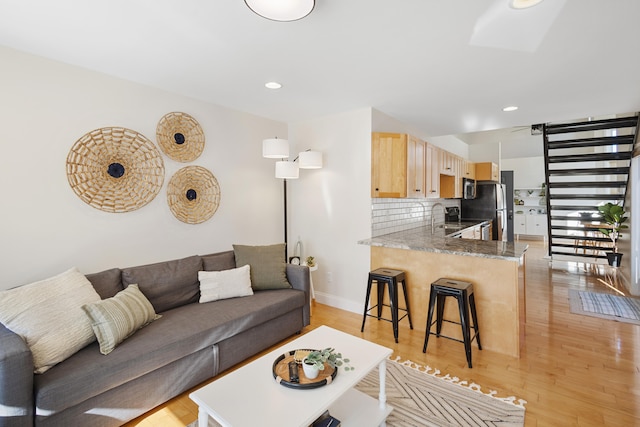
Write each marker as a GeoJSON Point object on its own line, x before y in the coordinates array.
{"type": "Point", "coordinates": [510, 108]}
{"type": "Point", "coordinates": [273, 85]}
{"type": "Point", "coordinates": [523, 4]}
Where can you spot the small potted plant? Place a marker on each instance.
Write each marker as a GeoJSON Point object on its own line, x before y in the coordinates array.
{"type": "Point", "coordinates": [311, 261]}
{"type": "Point", "coordinates": [613, 215]}
{"type": "Point", "coordinates": [315, 361]}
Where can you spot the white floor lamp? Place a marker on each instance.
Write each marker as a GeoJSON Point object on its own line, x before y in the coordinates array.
{"type": "Point", "coordinates": [276, 148]}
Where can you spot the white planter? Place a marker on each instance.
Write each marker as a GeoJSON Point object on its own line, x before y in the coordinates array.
{"type": "Point", "coordinates": [310, 371]}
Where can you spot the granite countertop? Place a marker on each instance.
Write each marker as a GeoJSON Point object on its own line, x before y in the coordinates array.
{"type": "Point", "coordinates": [421, 239]}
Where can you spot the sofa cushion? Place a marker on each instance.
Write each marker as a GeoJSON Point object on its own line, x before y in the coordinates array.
{"type": "Point", "coordinates": [167, 284]}
{"type": "Point", "coordinates": [115, 319]}
{"type": "Point", "coordinates": [47, 314]}
{"type": "Point", "coordinates": [268, 267]}
{"type": "Point", "coordinates": [106, 283]}
{"type": "Point", "coordinates": [180, 332]}
{"type": "Point", "coordinates": [215, 285]}
{"type": "Point", "coordinates": [219, 261]}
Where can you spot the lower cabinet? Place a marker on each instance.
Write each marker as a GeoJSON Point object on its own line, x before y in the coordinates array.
{"type": "Point", "coordinates": [530, 224]}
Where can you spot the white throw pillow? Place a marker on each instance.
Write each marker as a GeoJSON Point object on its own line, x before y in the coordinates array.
{"type": "Point", "coordinates": [215, 285]}
{"type": "Point", "coordinates": [48, 315]}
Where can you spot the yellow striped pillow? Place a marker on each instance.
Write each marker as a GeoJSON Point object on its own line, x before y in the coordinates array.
{"type": "Point", "coordinates": [115, 319]}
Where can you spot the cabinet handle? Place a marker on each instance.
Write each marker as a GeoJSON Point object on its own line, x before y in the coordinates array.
{"type": "Point", "coordinates": [417, 190]}
{"type": "Point", "coordinates": [433, 191]}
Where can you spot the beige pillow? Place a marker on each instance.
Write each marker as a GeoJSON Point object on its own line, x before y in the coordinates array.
{"type": "Point", "coordinates": [48, 316]}
{"type": "Point", "coordinates": [268, 267]}
{"type": "Point", "coordinates": [215, 285]}
{"type": "Point", "coordinates": [115, 319]}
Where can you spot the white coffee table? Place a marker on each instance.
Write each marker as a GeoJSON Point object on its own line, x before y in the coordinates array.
{"type": "Point", "coordinates": [250, 396]}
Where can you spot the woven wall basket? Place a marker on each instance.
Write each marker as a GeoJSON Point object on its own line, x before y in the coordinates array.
{"type": "Point", "coordinates": [115, 169]}
{"type": "Point", "coordinates": [180, 137]}
{"type": "Point", "coordinates": [193, 194]}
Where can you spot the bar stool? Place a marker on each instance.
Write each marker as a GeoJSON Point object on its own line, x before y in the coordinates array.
{"type": "Point", "coordinates": [391, 278]}
{"type": "Point", "coordinates": [463, 292]}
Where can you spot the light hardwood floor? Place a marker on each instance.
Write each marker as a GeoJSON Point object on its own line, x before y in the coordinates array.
{"type": "Point", "coordinates": [573, 371]}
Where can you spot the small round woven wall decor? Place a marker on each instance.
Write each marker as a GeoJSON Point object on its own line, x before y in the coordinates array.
{"type": "Point", "coordinates": [115, 169]}
{"type": "Point", "coordinates": [180, 137]}
{"type": "Point", "coordinates": [193, 194]}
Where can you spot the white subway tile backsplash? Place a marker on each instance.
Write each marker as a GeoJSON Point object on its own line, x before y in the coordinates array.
{"type": "Point", "coordinates": [392, 215]}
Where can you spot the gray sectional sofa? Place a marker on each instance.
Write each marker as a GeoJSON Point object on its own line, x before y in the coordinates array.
{"type": "Point", "coordinates": [190, 343]}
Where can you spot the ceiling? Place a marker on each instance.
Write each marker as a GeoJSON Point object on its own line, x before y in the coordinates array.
{"type": "Point", "coordinates": [443, 67]}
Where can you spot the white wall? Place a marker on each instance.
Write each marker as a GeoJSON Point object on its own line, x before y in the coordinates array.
{"type": "Point", "coordinates": [330, 208]}
{"type": "Point", "coordinates": [528, 172]}
{"type": "Point", "coordinates": [490, 152]}
{"type": "Point", "coordinates": [384, 123]}
{"type": "Point", "coordinates": [45, 228]}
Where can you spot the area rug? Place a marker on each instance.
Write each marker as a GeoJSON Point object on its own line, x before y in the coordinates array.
{"type": "Point", "coordinates": [423, 397]}
{"type": "Point", "coordinates": [605, 306]}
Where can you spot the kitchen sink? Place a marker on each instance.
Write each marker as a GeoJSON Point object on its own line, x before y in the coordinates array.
{"type": "Point", "coordinates": [454, 227]}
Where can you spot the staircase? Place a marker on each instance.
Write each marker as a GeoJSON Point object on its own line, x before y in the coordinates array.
{"type": "Point", "coordinates": [587, 165]}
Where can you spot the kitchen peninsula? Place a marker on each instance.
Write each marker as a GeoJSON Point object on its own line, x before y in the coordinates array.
{"type": "Point", "coordinates": [496, 269]}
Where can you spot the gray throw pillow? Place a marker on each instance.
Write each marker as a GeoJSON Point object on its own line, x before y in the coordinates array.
{"type": "Point", "coordinates": [267, 265]}
{"type": "Point", "coordinates": [168, 284]}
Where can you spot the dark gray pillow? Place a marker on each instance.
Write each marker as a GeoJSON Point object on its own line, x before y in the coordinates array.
{"type": "Point", "coordinates": [167, 284]}
{"type": "Point", "coordinates": [267, 265]}
{"type": "Point", "coordinates": [106, 283]}
{"type": "Point", "coordinates": [219, 261]}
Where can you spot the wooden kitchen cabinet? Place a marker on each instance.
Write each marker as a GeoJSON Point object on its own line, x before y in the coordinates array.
{"type": "Point", "coordinates": [487, 171]}
{"type": "Point", "coordinates": [388, 165]}
{"type": "Point", "coordinates": [415, 167]}
{"type": "Point", "coordinates": [447, 163]}
{"type": "Point", "coordinates": [432, 181]}
{"type": "Point", "coordinates": [468, 169]}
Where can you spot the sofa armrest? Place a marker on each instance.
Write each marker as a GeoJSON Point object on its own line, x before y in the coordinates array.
{"type": "Point", "coordinates": [16, 380]}
{"type": "Point", "coordinates": [298, 276]}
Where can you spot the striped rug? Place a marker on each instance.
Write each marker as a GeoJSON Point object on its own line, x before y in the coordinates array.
{"type": "Point", "coordinates": [422, 397]}
{"type": "Point", "coordinates": [606, 306]}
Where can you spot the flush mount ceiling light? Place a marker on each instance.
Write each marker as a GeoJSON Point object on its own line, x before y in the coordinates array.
{"type": "Point", "coordinates": [281, 10]}
{"type": "Point", "coordinates": [510, 108]}
{"type": "Point", "coordinates": [523, 4]}
{"type": "Point", "coordinates": [273, 85]}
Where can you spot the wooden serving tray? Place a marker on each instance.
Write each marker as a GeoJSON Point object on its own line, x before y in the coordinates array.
{"type": "Point", "coordinates": [281, 372]}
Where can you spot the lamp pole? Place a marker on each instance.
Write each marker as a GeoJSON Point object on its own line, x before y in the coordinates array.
{"type": "Point", "coordinates": [284, 183]}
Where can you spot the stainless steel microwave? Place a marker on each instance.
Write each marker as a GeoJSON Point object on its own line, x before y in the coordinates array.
{"type": "Point", "coordinates": [468, 188]}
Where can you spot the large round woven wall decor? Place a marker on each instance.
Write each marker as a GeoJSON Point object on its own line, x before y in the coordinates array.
{"type": "Point", "coordinates": [180, 137]}
{"type": "Point", "coordinates": [193, 194]}
{"type": "Point", "coordinates": [115, 169]}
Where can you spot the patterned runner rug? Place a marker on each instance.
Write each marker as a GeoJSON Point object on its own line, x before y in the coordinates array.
{"type": "Point", "coordinates": [421, 397]}
{"type": "Point", "coordinates": [605, 306]}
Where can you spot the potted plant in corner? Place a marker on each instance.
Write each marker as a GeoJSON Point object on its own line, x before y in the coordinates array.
{"type": "Point", "coordinates": [315, 361]}
{"type": "Point", "coordinates": [613, 215]}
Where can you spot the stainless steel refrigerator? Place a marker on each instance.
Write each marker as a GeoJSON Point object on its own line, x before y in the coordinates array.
{"type": "Point", "coordinates": [489, 204]}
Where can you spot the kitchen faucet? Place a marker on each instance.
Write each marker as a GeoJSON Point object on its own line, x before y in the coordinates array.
{"type": "Point", "coordinates": [433, 218]}
{"type": "Point", "coordinates": [424, 213]}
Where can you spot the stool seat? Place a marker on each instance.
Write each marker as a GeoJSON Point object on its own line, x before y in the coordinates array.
{"type": "Point", "coordinates": [463, 292]}
{"type": "Point", "coordinates": [392, 279]}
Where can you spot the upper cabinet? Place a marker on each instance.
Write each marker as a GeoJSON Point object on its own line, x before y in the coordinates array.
{"type": "Point", "coordinates": [388, 165]}
{"type": "Point", "coordinates": [432, 174]}
{"type": "Point", "coordinates": [403, 166]}
{"type": "Point", "coordinates": [415, 167]}
{"type": "Point", "coordinates": [468, 169]}
{"type": "Point", "coordinates": [487, 171]}
{"type": "Point", "coordinates": [447, 163]}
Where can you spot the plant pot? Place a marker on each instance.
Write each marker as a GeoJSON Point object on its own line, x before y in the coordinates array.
{"type": "Point", "coordinates": [614, 259]}
{"type": "Point", "coordinates": [310, 371]}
